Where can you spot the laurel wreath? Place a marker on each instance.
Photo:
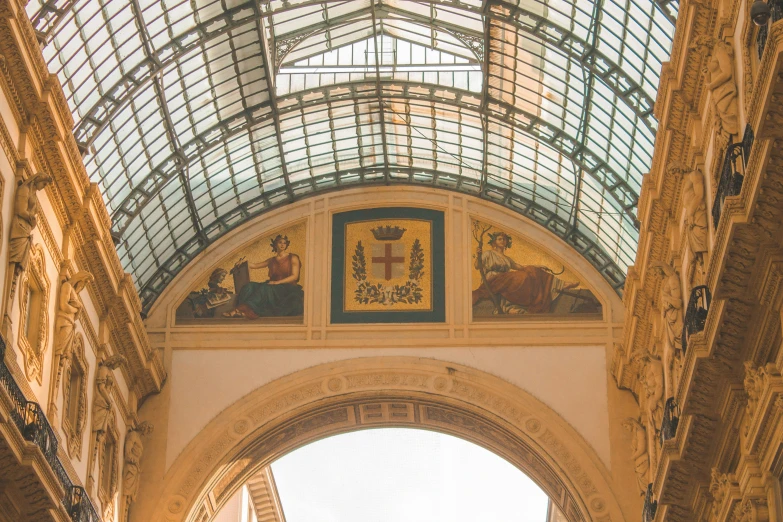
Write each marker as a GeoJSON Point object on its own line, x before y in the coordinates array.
{"type": "Point", "coordinates": [377, 293]}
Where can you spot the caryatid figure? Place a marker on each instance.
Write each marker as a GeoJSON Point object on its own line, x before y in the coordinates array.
{"type": "Point", "coordinates": [671, 309]}
{"type": "Point", "coordinates": [653, 383]}
{"type": "Point", "coordinates": [652, 403]}
{"type": "Point", "coordinates": [639, 455]}
{"type": "Point", "coordinates": [720, 82]}
{"type": "Point", "coordinates": [131, 474]}
{"type": "Point", "coordinates": [101, 403]}
{"type": "Point", "coordinates": [24, 221]}
{"type": "Point", "coordinates": [695, 217]}
{"type": "Point", "coordinates": [65, 325]}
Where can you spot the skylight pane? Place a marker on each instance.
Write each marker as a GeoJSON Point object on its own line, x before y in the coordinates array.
{"type": "Point", "coordinates": [394, 475]}
{"type": "Point", "coordinates": [155, 85]}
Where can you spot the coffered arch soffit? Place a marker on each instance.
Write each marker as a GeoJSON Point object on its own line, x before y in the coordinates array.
{"type": "Point", "coordinates": [421, 393]}
{"type": "Point", "coordinates": [186, 126]}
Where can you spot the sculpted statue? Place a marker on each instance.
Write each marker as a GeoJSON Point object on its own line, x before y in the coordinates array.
{"type": "Point", "coordinates": [720, 81]}
{"type": "Point", "coordinates": [131, 474]}
{"type": "Point", "coordinates": [641, 460]}
{"type": "Point", "coordinates": [671, 308]}
{"type": "Point", "coordinates": [695, 217]}
{"type": "Point", "coordinates": [101, 403]}
{"type": "Point", "coordinates": [755, 381]}
{"type": "Point", "coordinates": [752, 387]}
{"type": "Point", "coordinates": [720, 483]}
{"type": "Point", "coordinates": [24, 221]}
{"type": "Point", "coordinates": [64, 326]}
{"type": "Point", "coordinates": [651, 400]}
{"type": "Point", "coordinates": [653, 384]}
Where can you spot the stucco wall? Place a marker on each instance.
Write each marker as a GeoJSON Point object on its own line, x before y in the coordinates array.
{"type": "Point", "coordinates": [203, 382]}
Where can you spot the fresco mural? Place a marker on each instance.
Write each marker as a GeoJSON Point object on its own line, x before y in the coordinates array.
{"type": "Point", "coordinates": [513, 278]}
{"type": "Point", "coordinates": [263, 283]}
{"type": "Point", "coordinates": [388, 266]}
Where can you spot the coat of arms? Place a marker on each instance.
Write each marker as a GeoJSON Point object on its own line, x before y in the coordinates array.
{"type": "Point", "coordinates": [388, 266]}
{"type": "Point", "coordinates": [388, 262]}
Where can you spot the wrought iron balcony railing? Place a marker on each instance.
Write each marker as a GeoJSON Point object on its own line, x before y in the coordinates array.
{"type": "Point", "coordinates": [776, 13]}
{"type": "Point", "coordinates": [695, 314]}
{"type": "Point", "coordinates": [670, 420]}
{"type": "Point", "coordinates": [32, 423]}
{"type": "Point", "coordinates": [747, 143]}
{"type": "Point", "coordinates": [731, 178]}
{"type": "Point", "coordinates": [650, 506]}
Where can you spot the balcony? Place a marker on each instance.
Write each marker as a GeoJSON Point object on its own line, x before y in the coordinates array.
{"type": "Point", "coordinates": [31, 422]}
{"type": "Point", "coordinates": [776, 13]}
{"type": "Point", "coordinates": [695, 314]}
{"type": "Point", "coordinates": [732, 174]}
{"type": "Point", "coordinates": [650, 506]}
{"type": "Point", "coordinates": [670, 420]}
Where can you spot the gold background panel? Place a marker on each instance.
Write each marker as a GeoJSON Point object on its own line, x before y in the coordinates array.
{"type": "Point", "coordinates": [362, 231]}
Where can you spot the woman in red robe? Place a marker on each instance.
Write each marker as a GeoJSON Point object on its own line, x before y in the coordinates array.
{"type": "Point", "coordinates": [281, 295]}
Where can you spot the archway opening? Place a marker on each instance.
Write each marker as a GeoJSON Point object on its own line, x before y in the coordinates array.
{"type": "Point", "coordinates": [388, 475]}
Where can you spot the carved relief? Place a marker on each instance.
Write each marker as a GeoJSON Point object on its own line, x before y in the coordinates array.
{"type": "Point", "coordinates": [23, 222]}
{"type": "Point", "coordinates": [752, 510]}
{"type": "Point", "coordinates": [754, 385]}
{"type": "Point", "coordinates": [75, 398]}
{"type": "Point", "coordinates": [721, 83]}
{"type": "Point", "coordinates": [695, 224]}
{"type": "Point", "coordinates": [104, 384]}
{"type": "Point", "coordinates": [652, 404]}
{"type": "Point", "coordinates": [109, 467]}
{"type": "Point", "coordinates": [720, 485]}
{"type": "Point", "coordinates": [69, 307]}
{"type": "Point", "coordinates": [103, 426]}
{"type": "Point", "coordinates": [34, 314]}
{"type": "Point", "coordinates": [671, 308]}
{"type": "Point", "coordinates": [639, 455]}
{"type": "Point", "coordinates": [131, 471]}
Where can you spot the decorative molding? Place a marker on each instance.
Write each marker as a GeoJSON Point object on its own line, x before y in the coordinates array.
{"type": "Point", "coordinates": [48, 237]}
{"type": "Point", "coordinates": [39, 106]}
{"type": "Point", "coordinates": [392, 391]}
{"type": "Point", "coordinates": [74, 428]}
{"type": "Point", "coordinates": [107, 493]}
{"type": "Point", "coordinates": [33, 350]}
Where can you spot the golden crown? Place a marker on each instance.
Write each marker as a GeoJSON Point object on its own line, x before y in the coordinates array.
{"type": "Point", "coordinates": [388, 233]}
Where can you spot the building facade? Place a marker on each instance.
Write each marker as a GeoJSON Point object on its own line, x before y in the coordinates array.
{"type": "Point", "coordinates": [155, 376]}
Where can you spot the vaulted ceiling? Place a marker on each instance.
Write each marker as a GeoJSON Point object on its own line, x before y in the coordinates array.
{"type": "Point", "coordinates": [197, 115]}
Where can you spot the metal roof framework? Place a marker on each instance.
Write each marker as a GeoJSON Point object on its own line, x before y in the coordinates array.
{"type": "Point", "coordinates": [197, 115]}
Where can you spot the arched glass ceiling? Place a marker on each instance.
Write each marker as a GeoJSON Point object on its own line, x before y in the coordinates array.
{"type": "Point", "coordinates": [196, 115]}
{"type": "Point", "coordinates": [393, 474]}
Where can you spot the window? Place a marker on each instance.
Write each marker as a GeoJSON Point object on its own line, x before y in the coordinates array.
{"type": "Point", "coordinates": [75, 399]}
{"type": "Point", "coordinates": [34, 319]}
{"type": "Point", "coordinates": [29, 317]}
{"type": "Point", "coordinates": [109, 469]}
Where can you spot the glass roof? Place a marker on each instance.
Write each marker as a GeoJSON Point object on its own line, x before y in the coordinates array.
{"type": "Point", "coordinates": [393, 474]}
{"type": "Point", "coordinates": [196, 115]}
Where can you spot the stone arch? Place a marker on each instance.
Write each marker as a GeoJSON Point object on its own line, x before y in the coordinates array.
{"type": "Point", "coordinates": [362, 393]}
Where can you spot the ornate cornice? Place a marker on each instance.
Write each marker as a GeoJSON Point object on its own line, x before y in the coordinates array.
{"type": "Point", "coordinates": [34, 347]}
{"type": "Point", "coordinates": [39, 104]}
{"type": "Point", "coordinates": [74, 428]}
